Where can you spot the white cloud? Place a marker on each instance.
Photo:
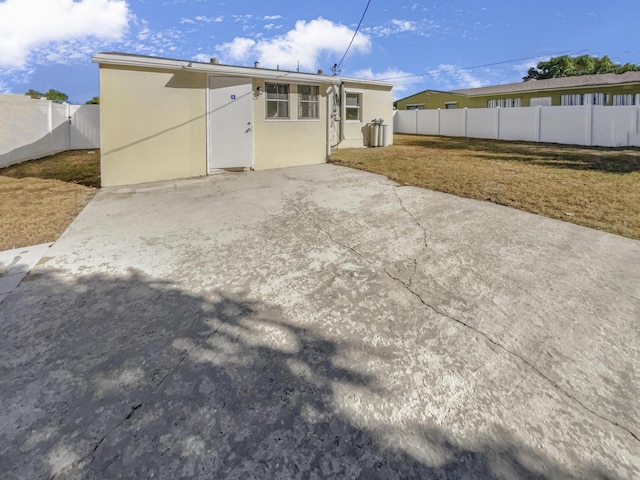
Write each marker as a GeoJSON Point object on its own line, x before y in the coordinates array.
{"type": "Point", "coordinates": [403, 25]}
{"type": "Point", "coordinates": [162, 42]}
{"type": "Point", "coordinates": [523, 67]}
{"type": "Point", "coordinates": [29, 25]}
{"type": "Point", "coordinates": [396, 26]}
{"type": "Point", "coordinates": [453, 77]}
{"type": "Point", "coordinates": [4, 88]}
{"type": "Point", "coordinates": [202, 57]}
{"type": "Point", "coordinates": [404, 81]}
{"type": "Point", "coordinates": [305, 44]}
{"type": "Point", "coordinates": [238, 49]}
{"type": "Point", "coordinates": [10, 76]}
{"type": "Point", "coordinates": [272, 17]}
{"type": "Point", "coordinates": [202, 18]}
{"type": "Point", "coordinates": [242, 18]}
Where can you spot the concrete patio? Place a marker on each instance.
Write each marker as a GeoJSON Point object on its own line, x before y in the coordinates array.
{"type": "Point", "coordinates": [321, 322]}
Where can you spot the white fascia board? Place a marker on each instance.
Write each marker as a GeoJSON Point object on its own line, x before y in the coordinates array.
{"type": "Point", "coordinates": [211, 69]}
{"type": "Point", "coordinates": [226, 70]}
{"type": "Point", "coordinates": [362, 81]}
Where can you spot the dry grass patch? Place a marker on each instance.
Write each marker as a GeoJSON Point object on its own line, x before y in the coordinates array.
{"type": "Point", "coordinates": [40, 198]}
{"type": "Point", "coordinates": [594, 187]}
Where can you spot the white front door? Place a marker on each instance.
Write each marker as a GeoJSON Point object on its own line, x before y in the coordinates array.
{"type": "Point", "coordinates": [230, 123]}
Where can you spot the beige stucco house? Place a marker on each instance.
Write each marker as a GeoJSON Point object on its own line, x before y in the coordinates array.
{"type": "Point", "coordinates": [163, 119]}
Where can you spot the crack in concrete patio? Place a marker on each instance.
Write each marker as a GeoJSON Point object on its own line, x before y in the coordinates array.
{"type": "Point", "coordinates": [418, 296]}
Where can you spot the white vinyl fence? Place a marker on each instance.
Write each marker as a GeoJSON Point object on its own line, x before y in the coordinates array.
{"type": "Point", "coordinates": [31, 129]}
{"type": "Point", "coordinates": [595, 125]}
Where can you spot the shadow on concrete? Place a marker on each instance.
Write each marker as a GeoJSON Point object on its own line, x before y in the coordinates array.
{"type": "Point", "coordinates": [129, 377]}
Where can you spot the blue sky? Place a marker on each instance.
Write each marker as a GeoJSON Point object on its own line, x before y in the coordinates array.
{"type": "Point", "coordinates": [419, 44]}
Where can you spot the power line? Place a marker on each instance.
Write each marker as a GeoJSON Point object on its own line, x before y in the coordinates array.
{"type": "Point", "coordinates": [433, 72]}
{"type": "Point", "coordinates": [337, 66]}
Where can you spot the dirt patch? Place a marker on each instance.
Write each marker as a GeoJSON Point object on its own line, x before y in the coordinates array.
{"type": "Point", "coordinates": [40, 198]}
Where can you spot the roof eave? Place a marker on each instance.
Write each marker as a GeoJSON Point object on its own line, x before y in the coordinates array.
{"type": "Point", "coordinates": [246, 72]}
{"type": "Point", "coordinates": [540, 86]}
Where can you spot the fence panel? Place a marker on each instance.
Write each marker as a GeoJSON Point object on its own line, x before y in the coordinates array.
{"type": "Point", "coordinates": [20, 125]}
{"type": "Point", "coordinates": [453, 122]}
{"type": "Point", "coordinates": [520, 124]}
{"type": "Point", "coordinates": [483, 122]}
{"type": "Point", "coordinates": [31, 129]}
{"type": "Point", "coordinates": [612, 128]}
{"type": "Point", "coordinates": [59, 136]}
{"type": "Point", "coordinates": [85, 126]}
{"type": "Point", "coordinates": [569, 125]}
{"type": "Point", "coordinates": [428, 122]}
{"type": "Point", "coordinates": [405, 121]}
{"type": "Point", "coordinates": [580, 125]}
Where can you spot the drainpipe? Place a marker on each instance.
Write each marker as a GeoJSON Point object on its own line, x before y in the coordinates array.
{"type": "Point", "coordinates": [343, 110]}
{"type": "Point", "coordinates": [329, 120]}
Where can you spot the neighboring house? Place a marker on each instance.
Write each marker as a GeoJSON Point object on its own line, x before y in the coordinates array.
{"type": "Point", "coordinates": [605, 89]}
{"type": "Point", "coordinates": [164, 119]}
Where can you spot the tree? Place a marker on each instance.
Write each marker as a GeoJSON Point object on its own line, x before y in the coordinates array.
{"type": "Point", "coordinates": [93, 101]}
{"type": "Point", "coordinates": [566, 66]}
{"type": "Point", "coordinates": [53, 95]}
{"type": "Point", "coordinates": [35, 94]}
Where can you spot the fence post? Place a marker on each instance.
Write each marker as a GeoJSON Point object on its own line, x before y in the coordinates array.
{"type": "Point", "coordinates": [466, 115]}
{"type": "Point", "coordinates": [50, 118]}
{"type": "Point", "coordinates": [538, 122]}
{"type": "Point", "coordinates": [68, 112]}
{"type": "Point", "coordinates": [439, 129]}
{"type": "Point", "coordinates": [590, 126]}
{"type": "Point", "coordinates": [416, 132]}
{"type": "Point", "coordinates": [498, 124]}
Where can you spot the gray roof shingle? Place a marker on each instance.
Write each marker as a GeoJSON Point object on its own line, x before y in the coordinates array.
{"type": "Point", "coordinates": [555, 84]}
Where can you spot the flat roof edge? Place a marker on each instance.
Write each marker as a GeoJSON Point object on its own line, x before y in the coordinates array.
{"type": "Point", "coordinates": [131, 60]}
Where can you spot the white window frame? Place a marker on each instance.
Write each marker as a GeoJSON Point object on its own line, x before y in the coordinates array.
{"type": "Point", "coordinates": [577, 99]}
{"type": "Point", "coordinates": [450, 105]}
{"type": "Point", "coordinates": [311, 102]}
{"type": "Point", "coordinates": [505, 103]}
{"type": "Point", "coordinates": [595, 98]}
{"type": "Point", "coordinates": [277, 101]}
{"type": "Point", "coordinates": [415, 106]}
{"type": "Point", "coordinates": [357, 108]}
{"type": "Point", "coordinates": [540, 101]}
{"type": "Point", "coordinates": [622, 99]}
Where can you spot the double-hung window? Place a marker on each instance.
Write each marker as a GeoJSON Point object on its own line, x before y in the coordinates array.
{"type": "Point", "coordinates": [353, 107]}
{"type": "Point", "coordinates": [505, 103]}
{"type": "Point", "coordinates": [628, 99]}
{"type": "Point", "coordinates": [584, 99]}
{"type": "Point", "coordinates": [277, 100]}
{"type": "Point", "coordinates": [308, 101]}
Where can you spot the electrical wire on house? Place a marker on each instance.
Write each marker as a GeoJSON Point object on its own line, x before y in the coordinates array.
{"type": "Point", "coordinates": [336, 67]}
{"type": "Point", "coordinates": [447, 70]}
